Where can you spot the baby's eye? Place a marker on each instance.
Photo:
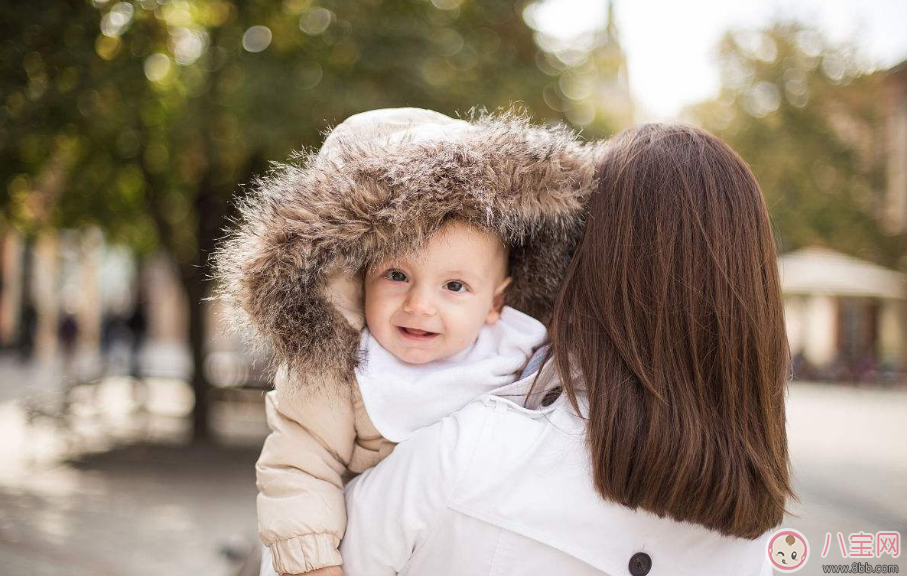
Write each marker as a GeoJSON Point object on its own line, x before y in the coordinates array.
{"type": "Point", "coordinates": [793, 556]}
{"type": "Point", "coordinates": [395, 276]}
{"type": "Point", "coordinates": [455, 286]}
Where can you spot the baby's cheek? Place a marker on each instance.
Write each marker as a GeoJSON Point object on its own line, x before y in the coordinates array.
{"type": "Point", "coordinates": [464, 341]}
{"type": "Point", "coordinates": [460, 335]}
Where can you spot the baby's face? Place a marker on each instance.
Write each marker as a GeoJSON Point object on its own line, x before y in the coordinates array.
{"type": "Point", "coordinates": [432, 305]}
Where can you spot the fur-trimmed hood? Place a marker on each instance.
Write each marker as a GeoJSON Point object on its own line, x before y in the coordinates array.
{"type": "Point", "coordinates": [376, 192]}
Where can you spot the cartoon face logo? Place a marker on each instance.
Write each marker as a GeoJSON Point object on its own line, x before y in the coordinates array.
{"type": "Point", "coordinates": [787, 549]}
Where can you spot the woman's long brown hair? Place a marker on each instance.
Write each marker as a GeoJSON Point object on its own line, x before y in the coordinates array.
{"type": "Point", "coordinates": [671, 312]}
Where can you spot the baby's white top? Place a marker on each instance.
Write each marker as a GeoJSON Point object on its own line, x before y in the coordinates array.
{"type": "Point", "coordinates": [400, 398]}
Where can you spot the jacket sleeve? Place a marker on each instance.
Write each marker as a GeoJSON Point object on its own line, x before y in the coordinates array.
{"type": "Point", "coordinates": [300, 473]}
{"type": "Point", "coordinates": [393, 507]}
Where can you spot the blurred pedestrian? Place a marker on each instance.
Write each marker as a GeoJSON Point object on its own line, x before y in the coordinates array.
{"type": "Point", "coordinates": [138, 326]}
{"type": "Point", "coordinates": [28, 330]}
{"type": "Point", "coordinates": [68, 334]}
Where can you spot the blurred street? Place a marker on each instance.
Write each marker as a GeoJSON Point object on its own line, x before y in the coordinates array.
{"type": "Point", "coordinates": [119, 491]}
{"type": "Point", "coordinates": [116, 490]}
{"type": "Point", "coordinates": [850, 471]}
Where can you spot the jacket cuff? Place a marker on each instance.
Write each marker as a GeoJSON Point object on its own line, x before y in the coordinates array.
{"type": "Point", "coordinates": [305, 553]}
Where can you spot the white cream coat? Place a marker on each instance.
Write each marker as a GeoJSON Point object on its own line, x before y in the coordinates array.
{"type": "Point", "coordinates": [501, 489]}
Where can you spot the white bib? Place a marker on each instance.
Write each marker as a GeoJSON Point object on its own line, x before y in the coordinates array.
{"type": "Point", "coordinates": [400, 398]}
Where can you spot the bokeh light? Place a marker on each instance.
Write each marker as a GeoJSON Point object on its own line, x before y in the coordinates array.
{"type": "Point", "coordinates": [157, 66]}
{"type": "Point", "coordinates": [256, 39]}
{"type": "Point", "coordinates": [316, 21]}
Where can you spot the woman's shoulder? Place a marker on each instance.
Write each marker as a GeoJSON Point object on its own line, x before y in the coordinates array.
{"type": "Point", "coordinates": [503, 421]}
{"type": "Point", "coordinates": [511, 456]}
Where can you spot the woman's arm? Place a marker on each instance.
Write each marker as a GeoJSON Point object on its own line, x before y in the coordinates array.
{"type": "Point", "coordinates": [393, 507]}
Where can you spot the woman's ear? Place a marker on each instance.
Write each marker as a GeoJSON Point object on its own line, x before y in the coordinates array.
{"type": "Point", "coordinates": [497, 304]}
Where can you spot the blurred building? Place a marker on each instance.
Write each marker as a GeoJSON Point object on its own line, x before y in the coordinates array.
{"type": "Point", "coordinates": [10, 288]}
{"type": "Point", "coordinates": [117, 303]}
{"type": "Point", "coordinates": [57, 275]}
{"type": "Point", "coordinates": [896, 149]}
{"type": "Point", "coordinates": [845, 316]}
{"type": "Point", "coordinates": [80, 275]}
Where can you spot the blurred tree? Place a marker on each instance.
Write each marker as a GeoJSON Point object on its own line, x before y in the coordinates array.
{"type": "Point", "coordinates": [808, 118]}
{"type": "Point", "coordinates": [589, 74]}
{"type": "Point", "coordinates": [145, 117]}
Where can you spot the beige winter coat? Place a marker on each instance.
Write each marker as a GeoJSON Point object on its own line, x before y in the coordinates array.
{"type": "Point", "coordinates": [290, 273]}
{"type": "Point", "coordinates": [320, 435]}
{"type": "Point", "coordinates": [312, 449]}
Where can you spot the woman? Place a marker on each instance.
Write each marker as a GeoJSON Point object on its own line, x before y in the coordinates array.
{"type": "Point", "coordinates": [660, 444]}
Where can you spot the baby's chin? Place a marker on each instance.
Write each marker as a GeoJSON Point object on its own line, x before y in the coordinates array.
{"type": "Point", "coordinates": [416, 357]}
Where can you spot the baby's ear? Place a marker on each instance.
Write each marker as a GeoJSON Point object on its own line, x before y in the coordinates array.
{"type": "Point", "coordinates": [497, 304]}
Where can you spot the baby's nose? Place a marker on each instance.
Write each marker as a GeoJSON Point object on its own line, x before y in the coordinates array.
{"type": "Point", "coordinates": [419, 302]}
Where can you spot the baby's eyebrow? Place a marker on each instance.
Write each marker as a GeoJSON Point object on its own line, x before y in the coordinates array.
{"type": "Point", "coordinates": [459, 273]}
{"type": "Point", "coordinates": [384, 264]}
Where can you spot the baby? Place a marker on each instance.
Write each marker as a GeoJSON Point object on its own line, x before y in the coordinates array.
{"type": "Point", "coordinates": [447, 220]}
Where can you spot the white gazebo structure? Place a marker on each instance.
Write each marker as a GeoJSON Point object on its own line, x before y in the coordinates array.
{"type": "Point", "coordinates": [839, 307]}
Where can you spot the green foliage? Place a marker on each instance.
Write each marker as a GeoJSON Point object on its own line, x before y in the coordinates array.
{"type": "Point", "coordinates": [809, 119]}
{"type": "Point", "coordinates": [146, 116]}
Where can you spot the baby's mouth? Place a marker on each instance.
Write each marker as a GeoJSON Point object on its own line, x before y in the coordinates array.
{"type": "Point", "coordinates": [416, 334]}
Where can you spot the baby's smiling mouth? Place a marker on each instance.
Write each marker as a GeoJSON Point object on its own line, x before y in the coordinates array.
{"type": "Point", "coordinates": [416, 334]}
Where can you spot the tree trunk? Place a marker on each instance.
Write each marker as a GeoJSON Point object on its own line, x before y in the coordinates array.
{"type": "Point", "coordinates": [212, 208]}
{"type": "Point", "coordinates": [209, 209]}
{"type": "Point", "coordinates": [193, 278]}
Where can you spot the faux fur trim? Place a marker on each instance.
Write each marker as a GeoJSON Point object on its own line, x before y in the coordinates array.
{"type": "Point", "coordinates": [317, 216]}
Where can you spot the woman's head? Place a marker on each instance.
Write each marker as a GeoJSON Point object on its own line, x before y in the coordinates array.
{"type": "Point", "coordinates": [671, 309]}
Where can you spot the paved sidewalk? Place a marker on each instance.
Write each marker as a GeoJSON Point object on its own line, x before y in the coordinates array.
{"type": "Point", "coordinates": [19, 379]}
{"type": "Point", "coordinates": [108, 490]}
{"type": "Point", "coordinates": [850, 466]}
{"type": "Point", "coordinates": [135, 511]}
